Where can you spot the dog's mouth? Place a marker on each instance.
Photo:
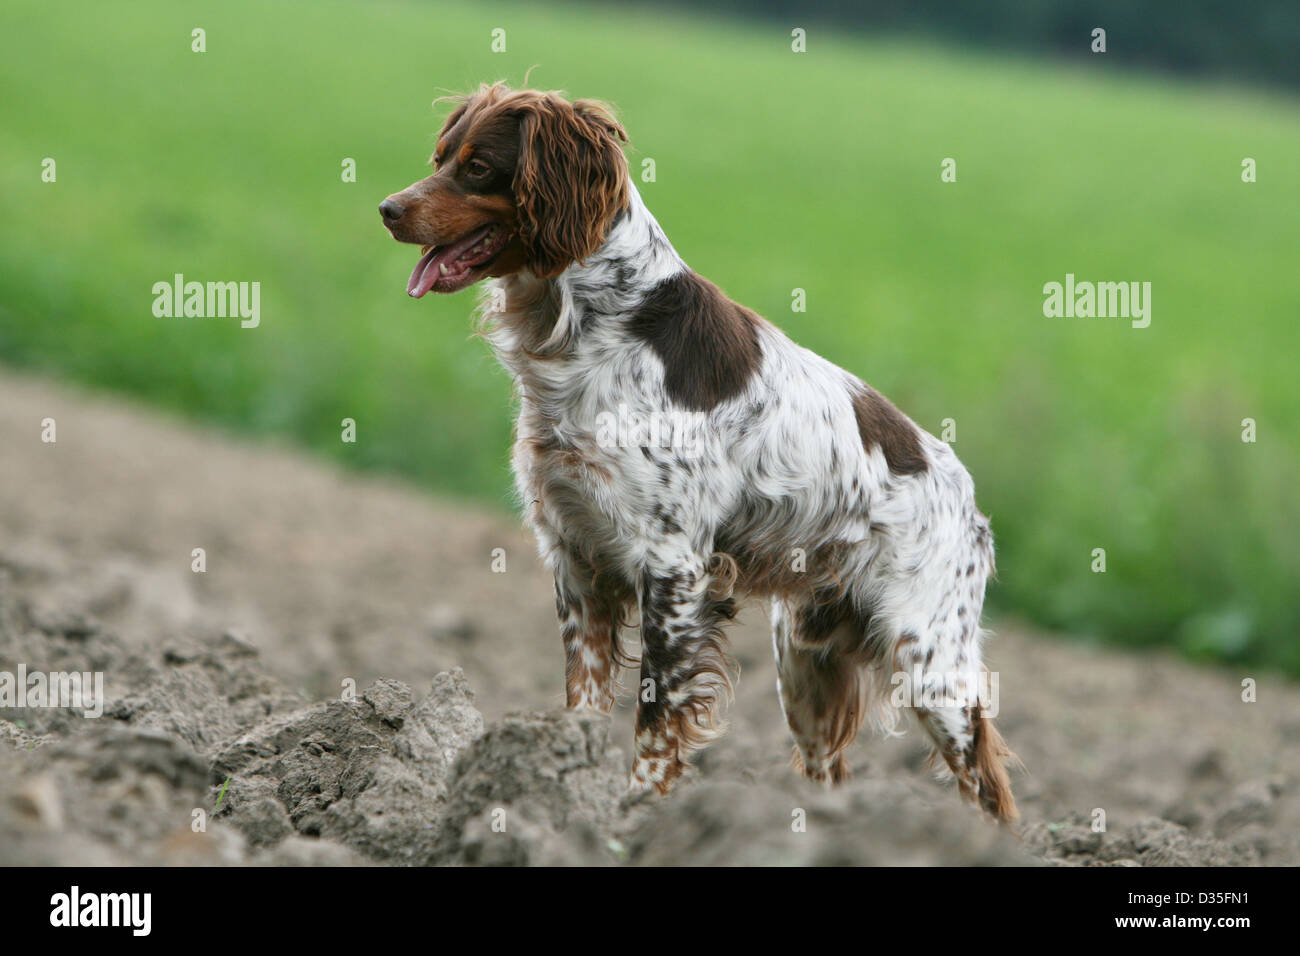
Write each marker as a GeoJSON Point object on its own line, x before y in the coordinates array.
{"type": "Point", "coordinates": [452, 267]}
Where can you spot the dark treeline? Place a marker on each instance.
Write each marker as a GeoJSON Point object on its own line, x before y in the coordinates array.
{"type": "Point", "coordinates": [1256, 40]}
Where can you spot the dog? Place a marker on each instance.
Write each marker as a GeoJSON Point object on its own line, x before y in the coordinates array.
{"type": "Point", "coordinates": [674, 452]}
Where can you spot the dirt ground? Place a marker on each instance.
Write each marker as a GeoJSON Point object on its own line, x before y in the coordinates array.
{"type": "Point", "coordinates": [231, 733]}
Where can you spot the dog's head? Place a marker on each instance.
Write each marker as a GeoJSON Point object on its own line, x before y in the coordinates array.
{"type": "Point", "coordinates": [522, 180]}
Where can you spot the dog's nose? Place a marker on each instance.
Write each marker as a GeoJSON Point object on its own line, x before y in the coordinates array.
{"type": "Point", "coordinates": [391, 209]}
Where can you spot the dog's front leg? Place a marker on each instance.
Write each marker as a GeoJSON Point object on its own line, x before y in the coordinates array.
{"type": "Point", "coordinates": [684, 667]}
{"type": "Point", "coordinates": [591, 612]}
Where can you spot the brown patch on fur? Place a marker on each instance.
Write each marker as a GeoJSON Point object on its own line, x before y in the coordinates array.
{"type": "Point", "coordinates": [908, 644]}
{"type": "Point", "coordinates": [842, 705]}
{"type": "Point", "coordinates": [883, 425]}
{"type": "Point", "coordinates": [819, 618]}
{"type": "Point", "coordinates": [571, 179]}
{"type": "Point", "coordinates": [765, 567]}
{"type": "Point", "coordinates": [991, 758]}
{"type": "Point", "coordinates": [708, 344]}
{"type": "Point", "coordinates": [452, 217]}
{"type": "Point", "coordinates": [840, 771]}
{"type": "Point", "coordinates": [826, 690]}
{"type": "Point", "coordinates": [723, 572]}
{"type": "Point", "coordinates": [681, 731]}
{"type": "Point", "coordinates": [591, 620]}
{"type": "Point", "coordinates": [837, 773]}
{"type": "Point", "coordinates": [600, 634]}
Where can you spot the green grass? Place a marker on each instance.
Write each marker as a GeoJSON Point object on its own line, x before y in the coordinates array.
{"type": "Point", "coordinates": [774, 171]}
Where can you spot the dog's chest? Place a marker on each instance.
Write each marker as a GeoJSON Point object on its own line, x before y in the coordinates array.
{"type": "Point", "coordinates": [571, 457]}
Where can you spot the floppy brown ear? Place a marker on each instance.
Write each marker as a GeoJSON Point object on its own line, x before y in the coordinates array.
{"type": "Point", "coordinates": [570, 181]}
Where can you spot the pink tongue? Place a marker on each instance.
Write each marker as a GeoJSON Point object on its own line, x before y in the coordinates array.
{"type": "Point", "coordinates": [427, 273]}
{"type": "Point", "coordinates": [424, 275]}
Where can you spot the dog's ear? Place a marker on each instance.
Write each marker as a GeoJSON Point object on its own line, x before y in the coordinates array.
{"type": "Point", "coordinates": [570, 180]}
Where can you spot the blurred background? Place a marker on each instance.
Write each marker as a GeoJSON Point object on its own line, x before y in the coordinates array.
{"type": "Point", "coordinates": [774, 170]}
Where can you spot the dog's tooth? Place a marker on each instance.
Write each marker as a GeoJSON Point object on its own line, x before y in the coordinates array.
{"type": "Point", "coordinates": [442, 267]}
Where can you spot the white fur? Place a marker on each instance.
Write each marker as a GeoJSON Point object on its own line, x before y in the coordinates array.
{"type": "Point", "coordinates": [780, 466]}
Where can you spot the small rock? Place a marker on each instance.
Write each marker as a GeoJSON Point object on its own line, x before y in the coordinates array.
{"type": "Point", "coordinates": [1252, 802]}
{"type": "Point", "coordinates": [1209, 767]}
{"type": "Point", "coordinates": [39, 800]}
{"type": "Point", "coordinates": [550, 778]}
{"type": "Point", "coordinates": [233, 644]}
{"type": "Point", "coordinates": [390, 699]}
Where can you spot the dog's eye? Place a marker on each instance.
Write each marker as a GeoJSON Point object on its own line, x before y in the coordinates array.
{"type": "Point", "coordinates": [478, 169]}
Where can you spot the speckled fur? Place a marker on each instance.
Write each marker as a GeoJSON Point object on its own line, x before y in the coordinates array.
{"type": "Point", "coordinates": [870, 572]}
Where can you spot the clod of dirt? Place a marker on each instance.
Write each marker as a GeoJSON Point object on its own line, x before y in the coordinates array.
{"type": "Point", "coordinates": [536, 788]}
{"type": "Point", "coordinates": [1252, 802]}
{"type": "Point", "coordinates": [864, 822]}
{"type": "Point", "coordinates": [368, 772]}
{"type": "Point", "coordinates": [1147, 842]}
{"type": "Point", "coordinates": [107, 796]}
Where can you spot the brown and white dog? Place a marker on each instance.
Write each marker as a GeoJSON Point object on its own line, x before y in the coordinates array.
{"type": "Point", "coordinates": [675, 450]}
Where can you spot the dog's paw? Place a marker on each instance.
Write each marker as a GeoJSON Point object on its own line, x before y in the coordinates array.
{"type": "Point", "coordinates": [638, 794]}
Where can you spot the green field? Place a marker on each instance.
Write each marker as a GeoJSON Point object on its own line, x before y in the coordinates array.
{"type": "Point", "coordinates": [774, 171]}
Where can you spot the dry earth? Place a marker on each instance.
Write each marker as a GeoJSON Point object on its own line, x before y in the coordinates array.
{"type": "Point", "coordinates": [319, 580]}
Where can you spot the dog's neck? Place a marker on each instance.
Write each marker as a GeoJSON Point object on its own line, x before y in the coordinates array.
{"type": "Point", "coordinates": [528, 318]}
{"type": "Point", "coordinates": [634, 258]}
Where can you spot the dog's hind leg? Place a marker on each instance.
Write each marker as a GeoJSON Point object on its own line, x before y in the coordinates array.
{"type": "Point", "coordinates": [951, 701]}
{"type": "Point", "coordinates": [824, 688]}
